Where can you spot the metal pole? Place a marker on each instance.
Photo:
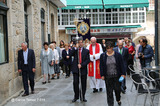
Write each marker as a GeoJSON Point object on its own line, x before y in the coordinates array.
{"type": "Point", "coordinates": [156, 34]}
{"type": "Point", "coordinates": [80, 85]}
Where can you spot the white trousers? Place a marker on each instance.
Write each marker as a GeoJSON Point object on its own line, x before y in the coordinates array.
{"type": "Point", "coordinates": [96, 83]}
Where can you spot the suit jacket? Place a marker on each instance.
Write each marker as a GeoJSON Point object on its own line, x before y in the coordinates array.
{"type": "Point", "coordinates": [125, 54]}
{"type": "Point", "coordinates": [85, 61]}
{"type": "Point", "coordinates": [119, 64]}
{"type": "Point", "coordinates": [65, 60]}
{"type": "Point", "coordinates": [31, 60]}
{"type": "Point", "coordinates": [103, 47]}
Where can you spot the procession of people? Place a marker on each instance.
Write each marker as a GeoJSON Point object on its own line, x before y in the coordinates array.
{"type": "Point", "coordinates": [104, 64]}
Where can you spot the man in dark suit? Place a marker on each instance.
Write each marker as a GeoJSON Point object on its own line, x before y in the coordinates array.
{"type": "Point", "coordinates": [125, 54]}
{"type": "Point", "coordinates": [80, 65]}
{"type": "Point", "coordinates": [26, 65]}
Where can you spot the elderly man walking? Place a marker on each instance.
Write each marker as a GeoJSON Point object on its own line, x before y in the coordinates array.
{"type": "Point", "coordinates": [95, 50]}
{"type": "Point", "coordinates": [26, 65]}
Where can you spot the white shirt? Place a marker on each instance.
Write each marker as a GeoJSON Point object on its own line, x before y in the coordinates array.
{"type": "Point", "coordinates": [25, 55]}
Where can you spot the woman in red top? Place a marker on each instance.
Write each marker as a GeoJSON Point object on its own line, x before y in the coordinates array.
{"type": "Point", "coordinates": [131, 55]}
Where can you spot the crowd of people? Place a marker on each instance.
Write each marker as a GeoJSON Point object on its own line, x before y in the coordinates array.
{"type": "Point", "coordinates": [103, 63]}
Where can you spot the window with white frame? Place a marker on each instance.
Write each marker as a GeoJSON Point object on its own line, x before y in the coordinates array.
{"type": "Point", "coordinates": [141, 9]}
{"type": "Point", "coordinates": [64, 11]}
{"type": "Point", "coordinates": [108, 18]}
{"type": "Point", "coordinates": [151, 5]}
{"type": "Point", "coordinates": [95, 18]}
{"type": "Point", "coordinates": [65, 19]}
{"type": "Point", "coordinates": [121, 18]}
{"type": "Point", "coordinates": [135, 17]}
{"type": "Point", "coordinates": [128, 17]}
{"type": "Point", "coordinates": [104, 16]}
{"type": "Point", "coordinates": [115, 18]}
{"type": "Point", "coordinates": [141, 17]}
{"type": "Point", "coordinates": [101, 19]}
{"type": "Point", "coordinates": [72, 17]}
{"type": "Point", "coordinates": [58, 19]}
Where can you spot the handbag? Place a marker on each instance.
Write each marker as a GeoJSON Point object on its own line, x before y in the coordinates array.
{"type": "Point", "coordinates": [50, 63]}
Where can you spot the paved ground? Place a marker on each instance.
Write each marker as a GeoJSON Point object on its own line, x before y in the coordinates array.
{"type": "Point", "coordinates": [60, 93]}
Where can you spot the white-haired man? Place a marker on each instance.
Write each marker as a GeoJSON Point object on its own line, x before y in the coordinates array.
{"type": "Point", "coordinates": [95, 50]}
{"type": "Point", "coordinates": [26, 65]}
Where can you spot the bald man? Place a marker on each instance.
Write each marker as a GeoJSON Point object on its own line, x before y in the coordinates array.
{"type": "Point", "coordinates": [125, 54]}
{"type": "Point", "coordinates": [95, 50]}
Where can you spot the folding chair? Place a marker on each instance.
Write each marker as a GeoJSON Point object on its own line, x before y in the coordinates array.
{"type": "Point", "coordinates": [142, 88]}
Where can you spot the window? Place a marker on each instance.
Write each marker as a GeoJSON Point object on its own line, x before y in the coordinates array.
{"type": "Point", "coordinates": [108, 10]}
{"type": "Point", "coordinates": [81, 15]}
{"type": "Point", "coordinates": [64, 11]}
{"type": "Point", "coordinates": [3, 40]}
{"type": "Point", "coordinates": [26, 23]}
{"type": "Point", "coordinates": [81, 11]}
{"type": "Point", "coordinates": [72, 11]}
{"type": "Point", "coordinates": [58, 19]}
{"type": "Point", "coordinates": [88, 10]}
{"type": "Point", "coordinates": [141, 9]}
{"type": "Point", "coordinates": [134, 9]}
{"type": "Point", "coordinates": [72, 17]}
{"type": "Point", "coordinates": [128, 9]}
{"type": "Point", "coordinates": [108, 18]}
{"type": "Point", "coordinates": [121, 18]}
{"type": "Point", "coordinates": [135, 17]}
{"type": "Point", "coordinates": [95, 18]}
{"type": "Point", "coordinates": [65, 19]}
{"type": "Point", "coordinates": [42, 15]}
{"type": "Point", "coordinates": [88, 15]}
{"type": "Point", "coordinates": [42, 26]}
{"type": "Point", "coordinates": [141, 17]}
{"type": "Point", "coordinates": [101, 10]}
{"type": "Point", "coordinates": [151, 4]}
{"type": "Point", "coordinates": [101, 19]}
{"type": "Point", "coordinates": [115, 10]}
{"type": "Point", "coordinates": [121, 9]}
{"type": "Point", "coordinates": [128, 17]}
{"type": "Point", "coordinates": [95, 10]}
{"type": "Point", "coordinates": [115, 18]}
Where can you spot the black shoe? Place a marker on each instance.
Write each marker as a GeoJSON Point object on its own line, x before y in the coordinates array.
{"type": "Point", "coordinates": [101, 89]}
{"type": "Point", "coordinates": [44, 82]}
{"type": "Point", "coordinates": [58, 77]}
{"type": "Point", "coordinates": [32, 92]}
{"type": "Point", "coordinates": [52, 78]}
{"type": "Point", "coordinates": [119, 103]}
{"type": "Point", "coordinates": [25, 95]}
{"type": "Point", "coordinates": [122, 90]}
{"type": "Point", "coordinates": [84, 100]}
{"type": "Point", "coordinates": [49, 81]}
{"type": "Point", "coordinates": [74, 100]}
{"type": "Point", "coordinates": [95, 90]}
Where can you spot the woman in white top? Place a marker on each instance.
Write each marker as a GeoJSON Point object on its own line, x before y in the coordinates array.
{"type": "Point", "coordinates": [55, 56]}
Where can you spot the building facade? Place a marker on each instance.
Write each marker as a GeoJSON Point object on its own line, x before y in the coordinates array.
{"type": "Point", "coordinates": [119, 20]}
{"type": "Point", "coordinates": [32, 21]}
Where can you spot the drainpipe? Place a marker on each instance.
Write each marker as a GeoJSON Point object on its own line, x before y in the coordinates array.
{"type": "Point", "coordinates": [48, 22]}
{"type": "Point", "coordinates": [156, 34]}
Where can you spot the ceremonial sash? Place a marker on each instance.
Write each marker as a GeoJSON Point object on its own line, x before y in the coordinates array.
{"type": "Point", "coordinates": [91, 65]}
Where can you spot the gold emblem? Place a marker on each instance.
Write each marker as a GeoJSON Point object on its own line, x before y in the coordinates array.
{"type": "Point", "coordinates": [83, 28]}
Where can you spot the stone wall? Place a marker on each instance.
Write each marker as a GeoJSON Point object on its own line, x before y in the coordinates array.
{"type": "Point", "coordinates": [10, 79]}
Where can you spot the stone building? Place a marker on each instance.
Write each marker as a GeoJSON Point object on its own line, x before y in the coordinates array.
{"type": "Point", "coordinates": [33, 21]}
